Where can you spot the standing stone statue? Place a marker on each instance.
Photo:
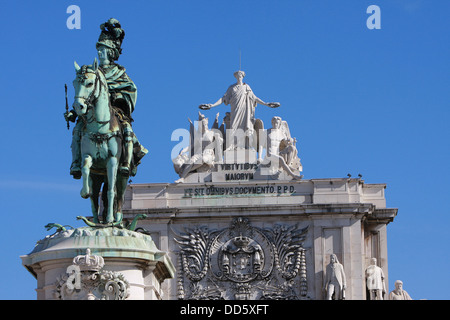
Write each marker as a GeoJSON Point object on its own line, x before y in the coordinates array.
{"type": "Point", "coordinates": [243, 103]}
{"type": "Point", "coordinates": [335, 280]}
{"type": "Point", "coordinates": [375, 281]}
{"type": "Point", "coordinates": [123, 94]}
{"type": "Point", "coordinates": [398, 293]}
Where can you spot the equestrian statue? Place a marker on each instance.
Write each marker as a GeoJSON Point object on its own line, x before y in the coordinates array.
{"type": "Point", "coordinates": [105, 150]}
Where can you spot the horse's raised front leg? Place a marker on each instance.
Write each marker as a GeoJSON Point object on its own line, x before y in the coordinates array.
{"type": "Point", "coordinates": [111, 167]}
{"type": "Point", "coordinates": [85, 171]}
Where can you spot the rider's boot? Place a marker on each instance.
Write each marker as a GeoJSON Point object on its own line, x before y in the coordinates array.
{"type": "Point", "coordinates": [128, 153]}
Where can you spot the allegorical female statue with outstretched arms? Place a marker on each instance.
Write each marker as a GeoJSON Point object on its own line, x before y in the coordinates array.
{"type": "Point", "coordinates": [243, 102]}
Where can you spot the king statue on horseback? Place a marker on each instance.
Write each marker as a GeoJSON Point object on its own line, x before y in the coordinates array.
{"type": "Point", "coordinates": [105, 149]}
{"type": "Point", "coordinates": [123, 94]}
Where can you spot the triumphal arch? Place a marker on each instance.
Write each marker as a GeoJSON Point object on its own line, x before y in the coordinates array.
{"type": "Point", "coordinates": [241, 222]}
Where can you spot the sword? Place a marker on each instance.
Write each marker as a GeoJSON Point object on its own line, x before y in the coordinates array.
{"type": "Point", "coordinates": [67, 106]}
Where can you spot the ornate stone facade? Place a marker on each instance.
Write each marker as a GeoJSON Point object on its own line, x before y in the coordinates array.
{"type": "Point", "coordinates": [264, 239]}
{"type": "Point", "coordinates": [242, 262]}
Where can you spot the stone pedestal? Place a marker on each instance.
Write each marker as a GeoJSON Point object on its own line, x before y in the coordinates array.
{"type": "Point", "coordinates": [67, 265]}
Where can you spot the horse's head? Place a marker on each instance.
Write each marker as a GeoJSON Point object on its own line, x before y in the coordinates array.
{"type": "Point", "coordinates": [87, 87]}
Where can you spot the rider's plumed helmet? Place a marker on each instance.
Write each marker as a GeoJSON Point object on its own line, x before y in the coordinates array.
{"type": "Point", "coordinates": [111, 37]}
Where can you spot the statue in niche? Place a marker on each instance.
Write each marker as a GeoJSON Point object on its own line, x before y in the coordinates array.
{"type": "Point", "coordinates": [205, 149]}
{"type": "Point", "coordinates": [375, 281]}
{"type": "Point", "coordinates": [398, 293]}
{"type": "Point", "coordinates": [335, 280]}
{"type": "Point", "coordinates": [281, 149]}
{"type": "Point", "coordinates": [243, 102]}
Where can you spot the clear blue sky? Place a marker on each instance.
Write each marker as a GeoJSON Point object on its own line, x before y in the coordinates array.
{"type": "Point", "coordinates": [374, 102]}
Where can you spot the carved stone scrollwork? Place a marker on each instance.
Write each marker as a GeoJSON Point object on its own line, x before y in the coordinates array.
{"type": "Point", "coordinates": [242, 262]}
{"type": "Point", "coordinates": [86, 280]}
{"type": "Point", "coordinates": [194, 247]}
{"type": "Point", "coordinates": [288, 249]}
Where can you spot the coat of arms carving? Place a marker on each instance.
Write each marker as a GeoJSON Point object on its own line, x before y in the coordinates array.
{"type": "Point", "coordinates": [242, 262]}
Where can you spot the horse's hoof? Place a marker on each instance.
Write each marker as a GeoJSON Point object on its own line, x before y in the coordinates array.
{"type": "Point", "coordinates": [76, 175]}
{"type": "Point", "coordinates": [85, 195]}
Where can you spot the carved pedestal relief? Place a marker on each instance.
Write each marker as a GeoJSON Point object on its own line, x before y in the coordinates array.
{"type": "Point", "coordinates": [242, 262]}
{"type": "Point", "coordinates": [88, 281]}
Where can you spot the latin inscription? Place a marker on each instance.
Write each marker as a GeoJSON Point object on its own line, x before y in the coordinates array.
{"type": "Point", "coordinates": [239, 166]}
{"type": "Point", "coordinates": [237, 190]}
{"type": "Point", "coordinates": [236, 176]}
